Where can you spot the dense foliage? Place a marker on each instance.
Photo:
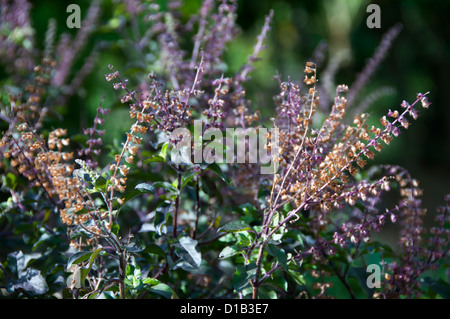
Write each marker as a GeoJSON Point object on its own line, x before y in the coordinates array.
{"type": "Point", "coordinates": [135, 217]}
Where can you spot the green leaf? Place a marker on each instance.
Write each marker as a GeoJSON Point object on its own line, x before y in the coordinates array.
{"type": "Point", "coordinates": [281, 231]}
{"type": "Point", "coordinates": [360, 273]}
{"type": "Point", "coordinates": [79, 138]}
{"type": "Point", "coordinates": [187, 177]}
{"type": "Point", "coordinates": [84, 271]}
{"type": "Point", "coordinates": [154, 159]}
{"type": "Point", "coordinates": [243, 275]}
{"type": "Point", "coordinates": [244, 238]}
{"type": "Point", "coordinates": [154, 249]}
{"type": "Point", "coordinates": [187, 249]}
{"type": "Point", "coordinates": [31, 281]}
{"type": "Point", "coordinates": [138, 190]}
{"type": "Point", "coordinates": [24, 227]}
{"type": "Point", "coordinates": [100, 184]}
{"type": "Point", "coordinates": [228, 238]}
{"type": "Point", "coordinates": [163, 152]}
{"type": "Point", "coordinates": [265, 293]}
{"type": "Point", "coordinates": [181, 156]}
{"type": "Point", "coordinates": [278, 281]}
{"type": "Point", "coordinates": [216, 169]}
{"type": "Point", "coordinates": [438, 285]}
{"type": "Point", "coordinates": [263, 192]}
{"type": "Point", "coordinates": [19, 261]}
{"type": "Point", "coordinates": [79, 258]}
{"type": "Point", "coordinates": [115, 228]}
{"type": "Point", "coordinates": [130, 195]}
{"type": "Point", "coordinates": [133, 275]}
{"type": "Point", "coordinates": [279, 255]}
{"type": "Point", "coordinates": [163, 290]}
{"type": "Point", "coordinates": [297, 276]}
{"type": "Point", "coordinates": [48, 240]}
{"type": "Point", "coordinates": [145, 188]}
{"type": "Point", "coordinates": [249, 211]}
{"type": "Point", "coordinates": [162, 215]}
{"type": "Point", "coordinates": [167, 186]}
{"type": "Point", "coordinates": [228, 252]}
{"type": "Point", "coordinates": [161, 138]}
{"type": "Point", "coordinates": [235, 226]}
{"type": "Point", "coordinates": [135, 246]}
{"type": "Point", "coordinates": [210, 188]}
{"type": "Point", "coordinates": [9, 181]}
{"type": "Point", "coordinates": [151, 281]}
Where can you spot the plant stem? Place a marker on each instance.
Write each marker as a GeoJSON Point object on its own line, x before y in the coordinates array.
{"type": "Point", "coordinates": [256, 281]}
{"type": "Point", "coordinates": [122, 272]}
{"type": "Point", "coordinates": [197, 205]}
{"type": "Point", "coordinates": [177, 205]}
{"type": "Point", "coordinates": [341, 278]}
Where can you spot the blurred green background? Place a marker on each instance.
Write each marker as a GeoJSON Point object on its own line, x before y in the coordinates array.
{"type": "Point", "coordinates": [418, 61]}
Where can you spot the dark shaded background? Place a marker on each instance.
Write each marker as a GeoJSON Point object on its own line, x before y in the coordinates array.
{"type": "Point", "coordinates": [417, 62]}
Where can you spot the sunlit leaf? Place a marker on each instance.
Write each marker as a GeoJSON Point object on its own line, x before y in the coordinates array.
{"type": "Point", "coordinates": [31, 281]}
{"type": "Point", "coordinates": [235, 226]}
{"type": "Point", "coordinates": [188, 250]}
{"type": "Point", "coordinates": [243, 275]}
{"type": "Point", "coordinates": [228, 252]}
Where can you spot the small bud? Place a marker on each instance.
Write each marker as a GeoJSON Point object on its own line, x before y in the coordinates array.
{"type": "Point", "coordinates": [393, 218]}
{"type": "Point", "coordinates": [425, 102]}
